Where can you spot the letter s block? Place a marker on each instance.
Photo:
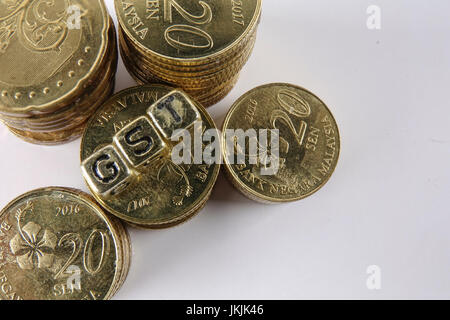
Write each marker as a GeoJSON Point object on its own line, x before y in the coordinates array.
{"type": "Point", "coordinates": [140, 142]}
{"type": "Point", "coordinates": [173, 112]}
{"type": "Point", "coordinates": [105, 172]}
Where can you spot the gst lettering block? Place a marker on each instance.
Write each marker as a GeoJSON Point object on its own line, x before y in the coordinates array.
{"type": "Point", "coordinates": [106, 172]}
{"type": "Point", "coordinates": [173, 112]}
{"type": "Point", "coordinates": [139, 142]}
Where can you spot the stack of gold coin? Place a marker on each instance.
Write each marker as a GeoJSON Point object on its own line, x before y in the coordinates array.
{"type": "Point", "coordinates": [58, 244]}
{"type": "Point", "coordinates": [199, 46]}
{"type": "Point", "coordinates": [280, 143]}
{"type": "Point", "coordinates": [130, 156]}
{"type": "Point", "coordinates": [58, 61]}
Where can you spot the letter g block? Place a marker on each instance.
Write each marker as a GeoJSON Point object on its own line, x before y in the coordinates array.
{"type": "Point", "coordinates": [173, 112]}
{"type": "Point", "coordinates": [139, 142]}
{"type": "Point", "coordinates": [105, 172]}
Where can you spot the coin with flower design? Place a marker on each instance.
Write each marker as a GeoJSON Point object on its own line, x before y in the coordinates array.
{"type": "Point", "coordinates": [58, 244]}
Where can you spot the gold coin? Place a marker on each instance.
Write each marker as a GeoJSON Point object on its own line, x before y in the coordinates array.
{"type": "Point", "coordinates": [67, 123]}
{"type": "Point", "coordinates": [299, 155]}
{"type": "Point", "coordinates": [69, 129]}
{"type": "Point", "coordinates": [82, 105]}
{"type": "Point", "coordinates": [187, 30]}
{"type": "Point", "coordinates": [209, 68]}
{"type": "Point", "coordinates": [207, 96]}
{"type": "Point", "coordinates": [75, 113]}
{"type": "Point", "coordinates": [68, 116]}
{"type": "Point", "coordinates": [208, 81]}
{"type": "Point", "coordinates": [199, 46]}
{"type": "Point", "coordinates": [127, 157]}
{"type": "Point", "coordinates": [49, 56]}
{"type": "Point", "coordinates": [178, 222]}
{"type": "Point", "coordinates": [219, 65]}
{"type": "Point", "coordinates": [48, 138]}
{"type": "Point", "coordinates": [216, 98]}
{"type": "Point", "coordinates": [58, 244]}
{"type": "Point", "coordinates": [189, 65]}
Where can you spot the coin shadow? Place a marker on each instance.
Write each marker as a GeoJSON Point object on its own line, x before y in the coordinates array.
{"type": "Point", "coordinates": [224, 192]}
{"type": "Point", "coordinates": [123, 79]}
{"type": "Point", "coordinates": [157, 254]}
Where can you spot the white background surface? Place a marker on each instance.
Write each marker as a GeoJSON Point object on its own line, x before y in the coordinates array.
{"type": "Point", "coordinates": [387, 203]}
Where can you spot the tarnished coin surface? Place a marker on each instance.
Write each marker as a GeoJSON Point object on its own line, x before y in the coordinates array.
{"type": "Point", "coordinates": [300, 158]}
{"type": "Point", "coordinates": [127, 156]}
{"type": "Point", "coordinates": [58, 244]}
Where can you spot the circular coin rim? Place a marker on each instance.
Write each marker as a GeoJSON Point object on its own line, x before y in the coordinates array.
{"type": "Point", "coordinates": [161, 224]}
{"type": "Point", "coordinates": [252, 194]}
{"type": "Point", "coordinates": [80, 83]}
{"type": "Point", "coordinates": [251, 25]}
{"type": "Point", "coordinates": [90, 202]}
